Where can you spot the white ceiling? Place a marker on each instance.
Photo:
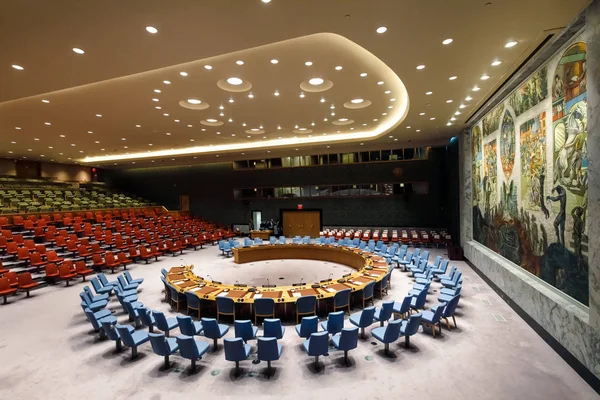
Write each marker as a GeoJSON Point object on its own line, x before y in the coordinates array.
{"type": "Point", "coordinates": [123, 64]}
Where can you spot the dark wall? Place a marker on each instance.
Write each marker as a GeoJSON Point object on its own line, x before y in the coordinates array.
{"type": "Point", "coordinates": [210, 188]}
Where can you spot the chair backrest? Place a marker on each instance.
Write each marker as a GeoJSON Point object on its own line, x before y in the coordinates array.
{"type": "Point", "coordinates": [392, 331]}
{"type": "Point", "coordinates": [125, 335]}
{"type": "Point", "coordinates": [318, 344]}
{"type": "Point", "coordinates": [386, 310]}
{"type": "Point", "coordinates": [272, 328]}
{"type": "Point", "coordinates": [401, 253]}
{"type": "Point", "coordinates": [368, 290]}
{"type": "Point", "coordinates": [268, 350]}
{"type": "Point", "coordinates": [186, 326]}
{"type": "Point", "coordinates": [225, 305]}
{"type": "Point", "coordinates": [24, 278]}
{"type": "Point", "coordinates": [159, 344]}
{"type": "Point", "coordinates": [342, 298]}
{"type": "Point", "coordinates": [234, 349]}
{"type": "Point", "coordinates": [192, 300]}
{"type": "Point", "coordinates": [438, 311]}
{"type": "Point", "coordinates": [102, 278]}
{"type": "Point", "coordinates": [211, 327]}
{"type": "Point", "coordinates": [412, 327]}
{"type": "Point", "coordinates": [110, 330]}
{"type": "Point", "coordinates": [308, 326]}
{"type": "Point", "coordinates": [306, 304]}
{"type": "Point", "coordinates": [366, 316]}
{"type": "Point", "coordinates": [348, 338]}
{"type": "Point", "coordinates": [451, 306]}
{"type": "Point", "coordinates": [145, 316]}
{"type": "Point", "coordinates": [90, 316]}
{"type": "Point", "coordinates": [335, 322]}
{"type": "Point", "coordinates": [163, 272]}
{"type": "Point", "coordinates": [64, 270]}
{"type": "Point", "coordinates": [51, 269]}
{"type": "Point", "coordinates": [161, 320]}
{"type": "Point", "coordinates": [457, 276]}
{"type": "Point", "coordinates": [409, 256]}
{"type": "Point", "coordinates": [128, 276]}
{"type": "Point", "coordinates": [416, 253]}
{"type": "Point", "coordinates": [243, 329]}
{"type": "Point", "coordinates": [437, 261]}
{"type": "Point", "coordinates": [264, 306]}
{"type": "Point", "coordinates": [444, 265]}
{"type": "Point", "coordinates": [405, 306]}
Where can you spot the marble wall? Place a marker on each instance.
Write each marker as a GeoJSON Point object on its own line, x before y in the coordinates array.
{"type": "Point", "coordinates": [575, 326]}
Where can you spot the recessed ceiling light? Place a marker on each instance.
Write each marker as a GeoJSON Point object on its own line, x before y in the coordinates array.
{"type": "Point", "coordinates": [234, 81]}
{"type": "Point", "coordinates": [97, 141]}
{"type": "Point", "coordinates": [301, 95]}
{"type": "Point", "coordinates": [250, 95]}
{"type": "Point", "coordinates": [156, 90]}
{"type": "Point", "coordinates": [222, 114]}
{"type": "Point", "coordinates": [264, 1]}
{"type": "Point", "coordinates": [452, 78]}
{"type": "Point", "coordinates": [230, 120]}
{"type": "Point", "coordinates": [90, 132]}
{"type": "Point", "coordinates": [194, 101]}
{"type": "Point", "coordinates": [207, 67]}
{"type": "Point", "coordinates": [391, 137]}
{"type": "Point", "coordinates": [168, 133]}
{"type": "Point", "coordinates": [418, 130]}
{"type": "Point", "coordinates": [233, 134]}
{"type": "Point", "coordinates": [18, 127]}
{"type": "Point", "coordinates": [47, 123]}
{"type": "Point", "coordinates": [485, 77]}
{"type": "Point", "coordinates": [312, 124]}
{"type": "Point", "coordinates": [420, 66]}
{"type": "Point", "coordinates": [274, 61]}
{"type": "Point", "coordinates": [45, 101]}
{"type": "Point", "coordinates": [428, 93]}
{"type": "Point", "coordinates": [387, 92]}
{"type": "Point", "coordinates": [511, 44]}
{"type": "Point", "coordinates": [448, 101]}
{"type": "Point", "coordinates": [449, 123]}
{"type": "Point", "coordinates": [452, 119]}
{"type": "Point", "coordinates": [375, 120]}
{"type": "Point", "coordinates": [447, 41]}
{"type": "Point", "coordinates": [62, 136]}
{"type": "Point", "coordinates": [155, 99]}
{"type": "Point", "coordinates": [50, 147]}
{"type": "Point", "coordinates": [325, 119]}
{"type": "Point", "coordinates": [422, 113]}
{"type": "Point", "coordinates": [476, 89]}
{"type": "Point", "coordinates": [468, 98]}
{"type": "Point", "coordinates": [239, 62]}
{"type": "Point", "coordinates": [78, 50]}
{"type": "Point", "coordinates": [381, 29]}
{"type": "Point", "coordinates": [308, 63]}
{"type": "Point", "coordinates": [392, 99]}
{"type": "Point", "coordinates": [14, 142]}
{"type": "Point", "coordinates": [383, 113]}
{"type": "Point", "coordinates": [176, 120]}
{"type": "Point", "coordinates": [72, 144]}
{"type": "Point", "coordinates": [183, 73]}
{"type": "Point", "coordinates": [380, 83]}
{"type": "Point", "coordinates": [362, 75]}
{"type": "Point", "coordinates": [390, 106]}
{"type": "Point", "coordinates": [167, 82]}
{"type": "Point", "coordinates": [432, 118]}
{"type": "Point", "coordinates": [322, 99]}
{"type": "Point", "coordinates": [332, 114]}
{"type": "Point", "coordinates": [166, 115]}
{"type": "Point", "coordinates": [276, 93]}
{"type": "Point", "coordinates": [332, 107]}
{"type": "Point", "coordinates": [356, 101]}
{"type": "Point", "coordinates": [343, 119]}
{"type": "Point", "coordinates": [221, 107]}
{"type": "Point", "coordinates": [203, 130]}
{"type": "Point", "coordinates": [279, 127]}
{"type": "Point", "coordinates": [338, 68]}
{"type": "Point", "coordinates": [29, 150]}
{"type": "Point", "coordinates": [496, 63]}
{"type": "Point", "coordinates": [316, 81]}
{"type": "Point", "coordinates": [231, 100]}
{"type": "Point", "coordinates": [457, 113]}
{"type": "Point", "coordinates": [462, 106]}
{"type": "Point", "coordinates": [408, 127]}
{"type": "Point", "coordinates": [211, 120]}
{"type": "Point", "coordinates": [248, 138]}
{"type": "Point", "coordinates": [15, 66]}
{"type": "Point", "coordinates": [243, 124]}
{"type": "Point", "coordinates": [158, 107]}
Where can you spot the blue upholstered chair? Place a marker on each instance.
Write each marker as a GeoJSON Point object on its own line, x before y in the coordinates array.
{"type": "Point", "coordinates": [388, 334]}
{"type": "Point", "coordinates": [367, 293]}
{"type": "Point", "coordinates": [163, 272]}
{"type": "Point", "coordinates": [193, 302]}
{"type": "Point", "coordinates": [187, 326]}
{"type": "Point", "coordinates": [132, 310]}
{"type": "Point", "coordinates": [418, 301]}
{"type": "Point", "coordinates": [425, 255]}
{"type": "Point", "coordinates": [452, 283]}
{"type": "Point", "coordinates": [146, 318]}
{"type": "Point", "coordinates": [176, 297]}
{"type": "Point", "coordinates": [126, 286]}
{"type": "Point", "coordinates": [418, 287]}
{"type": "Point", "coordinates": [382, 285]}
{"type": "Point", "coordinates": [225, 306]}
{"type": "Point", "coordinates": [97, 322]}
{"type": "Point", "coordinates": [132, 338]}
{"type": "Point", "coordinates": [416, 253]}
{"type": "Point", "coordinates": [272, 240]}
{"type": "Point", "coordinates": [441, 269]}
{"type": "Point", "coordinates": [248, 242]}
{"type": "Point", "coordinates": [317, 345]}
{"type": "Point", "coordinates": [306, 240]}
{"type": "Point", "coordinates": [446, 294]}
{"type": "Point", "coordinates": [406, 261]}
{"type": "Point", "coordinates": [268, 350]}
{"type": "Point", "coordinates": [191, 349]}
{"type": "Point", "coordinates": [282, 240]}
{"type": "Point", "coordinates": [91, 305]}
{"type": "Point", "coordinates": [163, 323]}
{"type": "Point", "coordinates": [450, 274]}
{"type": "Point", "coordinates": [130, 279]}
{"type": "Point", "coordinates": [346, 340]}
{"type": "Point", "coordinates": [245, 330]}
{"type": "Point", "coordinates": [111, 332]}
{"type": "Point", "coordinates": [410, 328]}
{"type": "Point", "coordinates": [105, 281]}
{"type": "Point", "coordinates": [95, 298]}
{"type": "Point", "coordinates": [213, 330]}
{"type": "Point", "coordinates": [385, 312]}
{"type": "Point", "coordinates": [272, 328]}
{"type": "Point", "coordinates": [226, 249]}
{"type": "Point", "coordinates": [99, 289]}
{"type": "Point", "coordinates": [362, 245]}
{"type": "Point", "coordinates": [402, 308]}
{"type": "Point", "coordinates": [308, 326]}
{"type": "Point", "coordinates": [236, 350]}
{"type": "Point", "coordinates": [306, 305]}
{"type": "Point", "coordinates": [431, 318]}
{"type": "Point", "coordinates": [399, 256]}
{"type": "Point", "coordinates": [450, 309]}
{"type": "Point", "coordinates": [334, 323]}
{"type": "Point", "coordinates": [258, 241]}
{"type": "Point", "coordinates": [363, 319]}
{"type": "Point", "coordinates": [342, 300]}
{"type": "Point", "coordinates": [163, 346]}
{"type": "Point", "coordinates": [264, 307]}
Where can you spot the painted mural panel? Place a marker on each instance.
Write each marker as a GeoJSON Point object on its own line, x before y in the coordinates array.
{"type": "Point", "coordinates": [534, 91]}
{"type": "Point", "coordinates": [538, 220]}
{"type": "Point", "coordinates": [477, 163]}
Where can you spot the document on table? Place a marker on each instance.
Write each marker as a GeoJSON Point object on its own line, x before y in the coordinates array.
{"type": "Point", "coordinates": [222, 294]}
{"type": "Point", "coordinates": [296, 294]}
{"type": "Point", "coordinates": [179, 282]}
{"type": "Point", "coordinates": [194, 289]}
{"type": "Point", "coordinates": [331, 290]}
{"type": "Point", "coordinates": [257, 296]}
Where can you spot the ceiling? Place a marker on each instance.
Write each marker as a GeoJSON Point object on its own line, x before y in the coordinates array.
{"type": "Point", "coordinates": [56, 97]}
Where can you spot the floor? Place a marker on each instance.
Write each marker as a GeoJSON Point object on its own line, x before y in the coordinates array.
{"type": "Point", "coordinates": [48, 349]}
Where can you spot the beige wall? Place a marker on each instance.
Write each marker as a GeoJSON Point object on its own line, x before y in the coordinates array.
{"type": "Point", "coordinates": [63, 172]}
{"type": "Point", "coordinates": [7, 167]}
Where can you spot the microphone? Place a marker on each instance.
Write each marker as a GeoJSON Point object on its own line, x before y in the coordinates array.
{"type": "Point", "coordinates": [236, 283]}
{"type": "Point", "coordinates": [183, 265]}
{"type": "Point", "coordinates": [268, 283]}
{"type": "Point", "coordinates": [211, 278]}
{"type": "Point", "coordinates": [301, 280]}
{"type": "Point", "coordinates": [330, 276]}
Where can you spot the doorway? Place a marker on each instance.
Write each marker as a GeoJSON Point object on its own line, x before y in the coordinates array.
{"type": "Point", "coordinates": [301, 222]}
{"type": "Point", "coordinates": [184, 203]}
{"type": "Point", "coordinates": [256, 219]}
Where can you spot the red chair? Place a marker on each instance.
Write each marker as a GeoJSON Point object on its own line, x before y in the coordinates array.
{"type": "Point", "coordinates": [28, 225]}
{"type": "Point", "coordinates": [72, 246]}
{"type": "Point", "coordinates": [39, 232]}
{"type": "Point", "coordinates": [124, 260]}
{"type": "Point", "coordinates": [145, 254]}
{"type": "Point", "coordinates": [133, 254]}
{"type": "Point", "coordinates": [98, 262]}
{"type": "Point", "coordinates": [85, 242]}
{"type": "Point", "coordinates": [35, 260]}
{"type": "Point", "coordinates": [49, 236]}
{"type": "Point", "coordinates": [96, 249]}
{"type": "Point", "coordinates": [98, 236]}
{"type": "Point", "coordinates": [41, 249]}
{"type": "Point", "coordinates": [155, 252]}
{"type": "Point", "coordinates": [51, 272]}
{"type": "Point", "coordinates": [23, 254]}
{"type": "Point", "coordinates": [111, 262]}
{"type": "Point", "coordinates": [30, 245]}
{"type": "Point", "coordinates": [8, 235]}
{"type": "Point", "coordinates": [3, 243]}
{"type": "Point", "coordinates": [82, 270]}
{"type": "Point", "coordinates": [18, 221]}
{"type": "Point", "coordinates": [61, 242]}
{"type": "Point", "coordinates": [172, 248]}
{"type": "Point", "coordinates": [18, 239]}
{"type": "Point", "coordinates": [26, 283]}
{"type": "Point", "coordinates": [84, 252]}
{"type": "Point", "coordinates": [6, 289]}
{"type": "Point", "coordinates": [65, 273]}
{"type": "Point", "coordinates": [51, 256]}
{"type": "Point", "coordinates": [2, 269]}
{"type": "Point", "coordinates": [4, 223]}
{"type": "Point", "coordinates": [12, 278]}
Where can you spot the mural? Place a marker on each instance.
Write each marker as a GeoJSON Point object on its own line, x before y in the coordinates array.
{"type": "Point", "coordinates": [507, 144]}
{"type": "Point", "coordinates": [492, 120]}
{"type": "Point", "coordinates": [531, 93]}
{"type": "Point", "coordinates": [538, 220]}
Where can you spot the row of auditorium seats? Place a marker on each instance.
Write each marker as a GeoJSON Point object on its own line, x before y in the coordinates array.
{"type": "Point", "coordinates": [407, 236]}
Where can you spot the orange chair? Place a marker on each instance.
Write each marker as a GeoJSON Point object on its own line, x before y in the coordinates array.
{"type": "Point", "coordinates": [61, 242]}
{"type": "Point", "coordinates": [6, 289]}
{"type": "Point", "coordinates": [28, 225]}
{"type": "Point", "coordinates": [66, 273]}
{"type": "Point", "coordinates": [155, 252]}
{"type": "Point", "coordinates": [39, 232]}
{"type": "Point", "coordinates": [51, 272]}
{"type": "Point", "coordinates": [133, 254]}
{"type": "Point", "coordinates": [172, 248]}
{"type": "Point", "coordinates": [30, 245]}
{"type": "Point", "coordinates": [12, 278]}
{"type": "Point", "coordinates": [145, 254]}
{"type": "Point", "coordinates": [2, 269]}
{"type": "Point", "coordinates": [18, 221]}
{"type": "Point", "coordinates": [3, 243]}
{"type": "Point", "coordinates": [26, 283]}
{"type": "Point", "coordinates": [35, 260]}
{"type": "Point", "coordinates": [41, 249]}
{"type": "Point", "coordinates": [53, 257]}
{"type": "Point", "coordinates": [82, 270]}
{"type": "Point", "coordinates": [111, 262]}
{"type": "Point", "coordinates": [71, 246]}
{"type": "Point", "coordinates": [18, 239]}
{"type": "Point", "coordinates": [84, 252]}
{"type": "Point", "coordinates": [4, 223]}
{"type": "Point", "coordinates": [96, 249]}
{"type": "Point", "coordinates": [7, 233]}
{"type": "Point", "coordinates": [23, 254]}
{"type": "Point", "coordinates": [124, 260]}
{"type": "Point", "coordinates": [98, 262]}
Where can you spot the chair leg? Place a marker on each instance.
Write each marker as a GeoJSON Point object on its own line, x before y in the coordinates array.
{"type": "Point", "coordinates": [454, 319]}
{"type": "Point", "coordinates": [193, 368]}
{"type": "Point", "coordinates": [362, 332]}
{"type": "Point", "coordinates": [407, 341]}
{"type": "Point", "coordinates": [5, 300]}
{"type": "Point", "coordinates": [134, 352]}
{"type": "Point", "coordinates": [387, 348]}
{"type": "Point", "coordinates": [167, 361]}
{"type": "Point", "coordinates": [237, 369]}
{"type": "Point", "coordinates": [215, 344]}
{"type": "Point", "coordinates": [118, 346]}
{"type": "Point", "coordinates": [317, 363]}
{"type": "Point", "coordinates": [346, 357]}
{"type": "Point", "coordinates": [268, 369]}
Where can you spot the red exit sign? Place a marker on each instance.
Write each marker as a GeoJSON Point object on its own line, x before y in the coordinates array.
{"type": "Point", "coordinates": [299, 206]}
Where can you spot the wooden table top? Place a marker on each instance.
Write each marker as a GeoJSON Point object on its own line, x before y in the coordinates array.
{"type": "Point", "coordinates": [368, 268]}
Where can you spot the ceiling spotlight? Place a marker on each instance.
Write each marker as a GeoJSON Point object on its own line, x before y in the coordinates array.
{"type": "Point", "coordinates": [390, 106]}
{"type": "Point", "coordinates": [392, 99]}
{"type": "Point", "coordinates": [90, 132]}
{"type": "Point", "coordinates": [322, 99]}
{"type": "Point", "coordinates": [239, 62]}
{"type": "Point", "coordinates": [447, 41]}
{"type": "Point", "coordinates": [381, 29]}
{"type": "Point", "coordinates": [418, 130]}
{"type": "Point", "coordinates": [156, 90]}
{"type": "Point", "coordinates": [230, 120]}
{"type": "Point", "coordinates": [452, 78]}
{"type": "Point", "coordinates": [325, 119]}
{"type": "Point", "coordinates": [301, 95]}
{"type": "Point", "coordinates": [209, 67]}
{"type": "Point", "coordinates": [511, 44]}
{"type": "Point", "coordinates": [194, 101]}
{"type": "Point", "coordinates": [449, 123]}
{"type": "Point", "coordinates": [316, 81]}
{"type": "Point", "coordinates": [169, 133]}
{"type": "Point", "coordinates": [448, 101]}
{"type": "Point", "coordinates": [264, 1]}
{"type": "Point", "coordinates": [387, 92]}
{"type": "Point", "coordinates": [15, 66]}
{"type": "Point", "coordinates": [485, 77]}
{"type": "Point", "coordinates": [432, 118]}
{"type": "Point", "coordinates": [308, 63]}
{"type": "Point", "coordinates": [158, 107]}
{"type": "Point", "coordinates": [243, 124]}
{"type": "Point", "coordinates": [428, 93]}
{"type": "Point", "coordinates": [457, 113]}
{"type": "Point", "coordinates": [155, 99]}
{"type": "Point", "coordinates": [422, 113]}
{"type": "Point", "coordinates": [45, 101]}
{"type": "Point", "coordinates": [78, 50]}
{"type": "Point", "coordinates": [279, 127]}
{"type": "Point", "coordinates": [36, 139]}
{"type": "Point", "coordinates": [332, 107]}
{"type": "Point", "coordinates": [296, 127]}
{"type": "Point", "coordinates": [420, 66]}
{"type": "Point", "coordinates": [462, 106]}
{"type": "Point", "coordinates": [343, 119]}
{"type": "Point", "coordinates": [452, 119]}
{"type": "Point", "coordinates": [250, 95]}
{"type": "Point", "coordinates": [338, 68]}
{"type": "Point", "coordinates": [476, 89]}
{"type": "Point", "coordinates": [123, 138]}
{"type": "Point", "coordinates": [182, 73]}
{"type": "Point", "coordinates": [151, 29]}
{"type": "Point", "coordinates": [356, 101]}
{"type": "Point", "coordinates": [375, 120]}
{"type": "Point", "coordinates": [18, 127]}
{"type": "Point", "coordinates": [496, 63]}
{"type": "Point", "coordinates": [167, 82]}
{"type": "Point", "coordinates": [62, 136]}
{"type": "Point", "coordinates": [380, 83]}
{"type": "Point", "coordinates": [468, 98]}
{"type": "Point", "coordinates": [274, 61]}
{"type": "Point", "coordinates": [222, 114]}
{"type": "Point", "coordinates": [47, 123]}
{"type": "Point", "coordinates": [276, 93]}
{"type": "Point", "coordinates": [383, 113]}
{"type": "Point", "coordinates": [312, 124]}
{"type": "Point", "coordinates": [364, 74]}
{"type": "Point", "coordinates": [234, 81]}
{"type": "Point", "coordinates": [211, 120]}
{"type": "Point", "coordinates": [332, 114]}
{"type": "Point", "coordinates": [166, 115]}
{"type": "Point", "coordinates": [231, 100]}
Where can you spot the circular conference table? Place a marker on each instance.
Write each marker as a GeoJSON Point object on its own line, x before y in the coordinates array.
{"type": "Point", "coordinates": [368, 268]}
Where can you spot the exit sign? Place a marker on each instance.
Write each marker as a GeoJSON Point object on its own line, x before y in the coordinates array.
{"type": "Point", "coordinates": [299, 206]}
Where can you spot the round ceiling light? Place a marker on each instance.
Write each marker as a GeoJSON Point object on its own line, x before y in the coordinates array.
{"type": "Point", "coordinates": [183, 73]}
{"type": "Point", "coordinates": [316, 81]}
{"type": "Point", "coordinates": [208, 67]}
{"type": "Point", "coordinates": [78, 50]}
{"type": "Point", "coordinates": [239, 62]}
{"type": "Point", "coordinates": [234, 81]}
{"type": "Point", "coordinates": [151, 29]}
{"type": "Point", "coordinates": [420, 66]}
{"type": "Point", "coordinates": [211, 120]}
{"type": "Point", "coordinates": [308, 63]}
{"type": "Point", "coordinates": [274, 61]}
{"type": "Point", "coordinates": [447, 41]}
{"type": "Point", "coordinates": [343, 119]}
{"type": "Point", "coordinates": [381, 29]}
{"type": "Point", "coordinates": [338, 68]}
{"type": "Point", "coordinates": [511, 44]}
{"type": "Point", "coordinates": [15, 66]}
{"type": "Point", "coordinates": [194, 101]}
{"type": "Point", "coordinates": [356, 101]}
{"type": "Point", "coordinates": [496, 63]}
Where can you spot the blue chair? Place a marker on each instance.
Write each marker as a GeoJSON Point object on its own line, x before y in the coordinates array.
{"type": "Point", "coordinates": [334, 323]}
{"type": "Point", "coordinates": [385, 312]}
{"type": "Point", "coordinates": [163, 346]}
{"type": "Point", "coordinates": [105, 281]}
{"type": "Point", "coordinates": [441, 269]}
{"type": "Point", "coordinates": [111, 332]}
{"type": "Point", "coordinates": [226, 249]}
{"type": "Point", "coordinates": [126, 286]}
{"type": "Point", "coordinates": [317, 345]}
{"type": "Point", "coordinates": [99, 289]}
{"type": "Point", "coordinates": [342, 300]}
{"type": "Point", "coordinates": [146, 318]}
{"type": "Point", "coordinates": [388, 334]}
{"type": "Point", "coordinates": [402, 308]}
{"type": "Point", "coordinates": [268, 350]}
{"type": "Point", "coordinates": [248, 242]}
{"type": "Point", "coordinates": [91, 305]}
{"type": "Point", "coordinates": [245, 330]}
{"type": "Point", "coordinates": [272, 328]}
{"type": "Point", "coordinates": [264, 307]}
{"type": "Point", "coordinates": [308, 326]}
{"type": "Point", "coordinates": [431, 318]}
{"type": "Point", "coordinates": [188, 327]}
{"type": "Point", "coordinates": [436, 263]}
{"type": "Point", "coordinates": [193, 302]}
{"type": "Point", "coordinates": [95, 298]}
{"type": "Point", "coordinates": [97, 322]}
{"type": "Point", "coordinates": [130, 280]}
{"type": "Point", "coordinates": [176, 297]}
{"type": "Point", "coordinates": [418, 301]}
{"type": "Point", "coordinates": [191, 349]}
{"type": "Point", "coordinates": [347, 340]}
{"type": "Point", "coordinates": [163, 272]}
{"type": "Point", "coordinates": [446, 294]}
{"type": "Point", "coordinates": [406, 261]}
{"type": "Point", "coordinates": [225, 306]}
{"type": "Point", "coordinates": [258, 241]}
{"type": "Point", "coordinates": [236, 350]}
{"type": "Point", "coordinates": [272, 240]}
{"type": "Point", "coordinates": [132, 338]}
{"type": "Point", "coordinates": [282, 240]}
{"type": "Point", "coordinates": [213, 330]}
{"type": "Point", "coordinates": [132, 310]}
{"type": "Point", "coordinates": [306, 305]}
{"type": "Point", "coordinates": [306, 240]}
{"type": "Point", "coordinates": [452, 283]}
{"type": "Point", "coordinates": [163, 323]}
{"type": "Point", "coordinates": [410, 328]}
{"type": "Point", "coordinates": [450, 309]}
{"type": "Point", "coordinates": [362, 245]}
{"type": "Point", "coordinates": [363, 319]}
{"type": "Point", "coordinates": [449, 275]}
{"type": "Point", "coordinates": [417, 288]}
{"type": "Point", "coordinates": [382, 285]}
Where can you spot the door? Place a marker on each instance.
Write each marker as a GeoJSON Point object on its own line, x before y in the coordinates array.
{"type": "Point", "coordinates": [184, 203]}
{"type": "Point", "coordinates": [301, 223]}
{"type": "Point", "coordinates": [256, 219]}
